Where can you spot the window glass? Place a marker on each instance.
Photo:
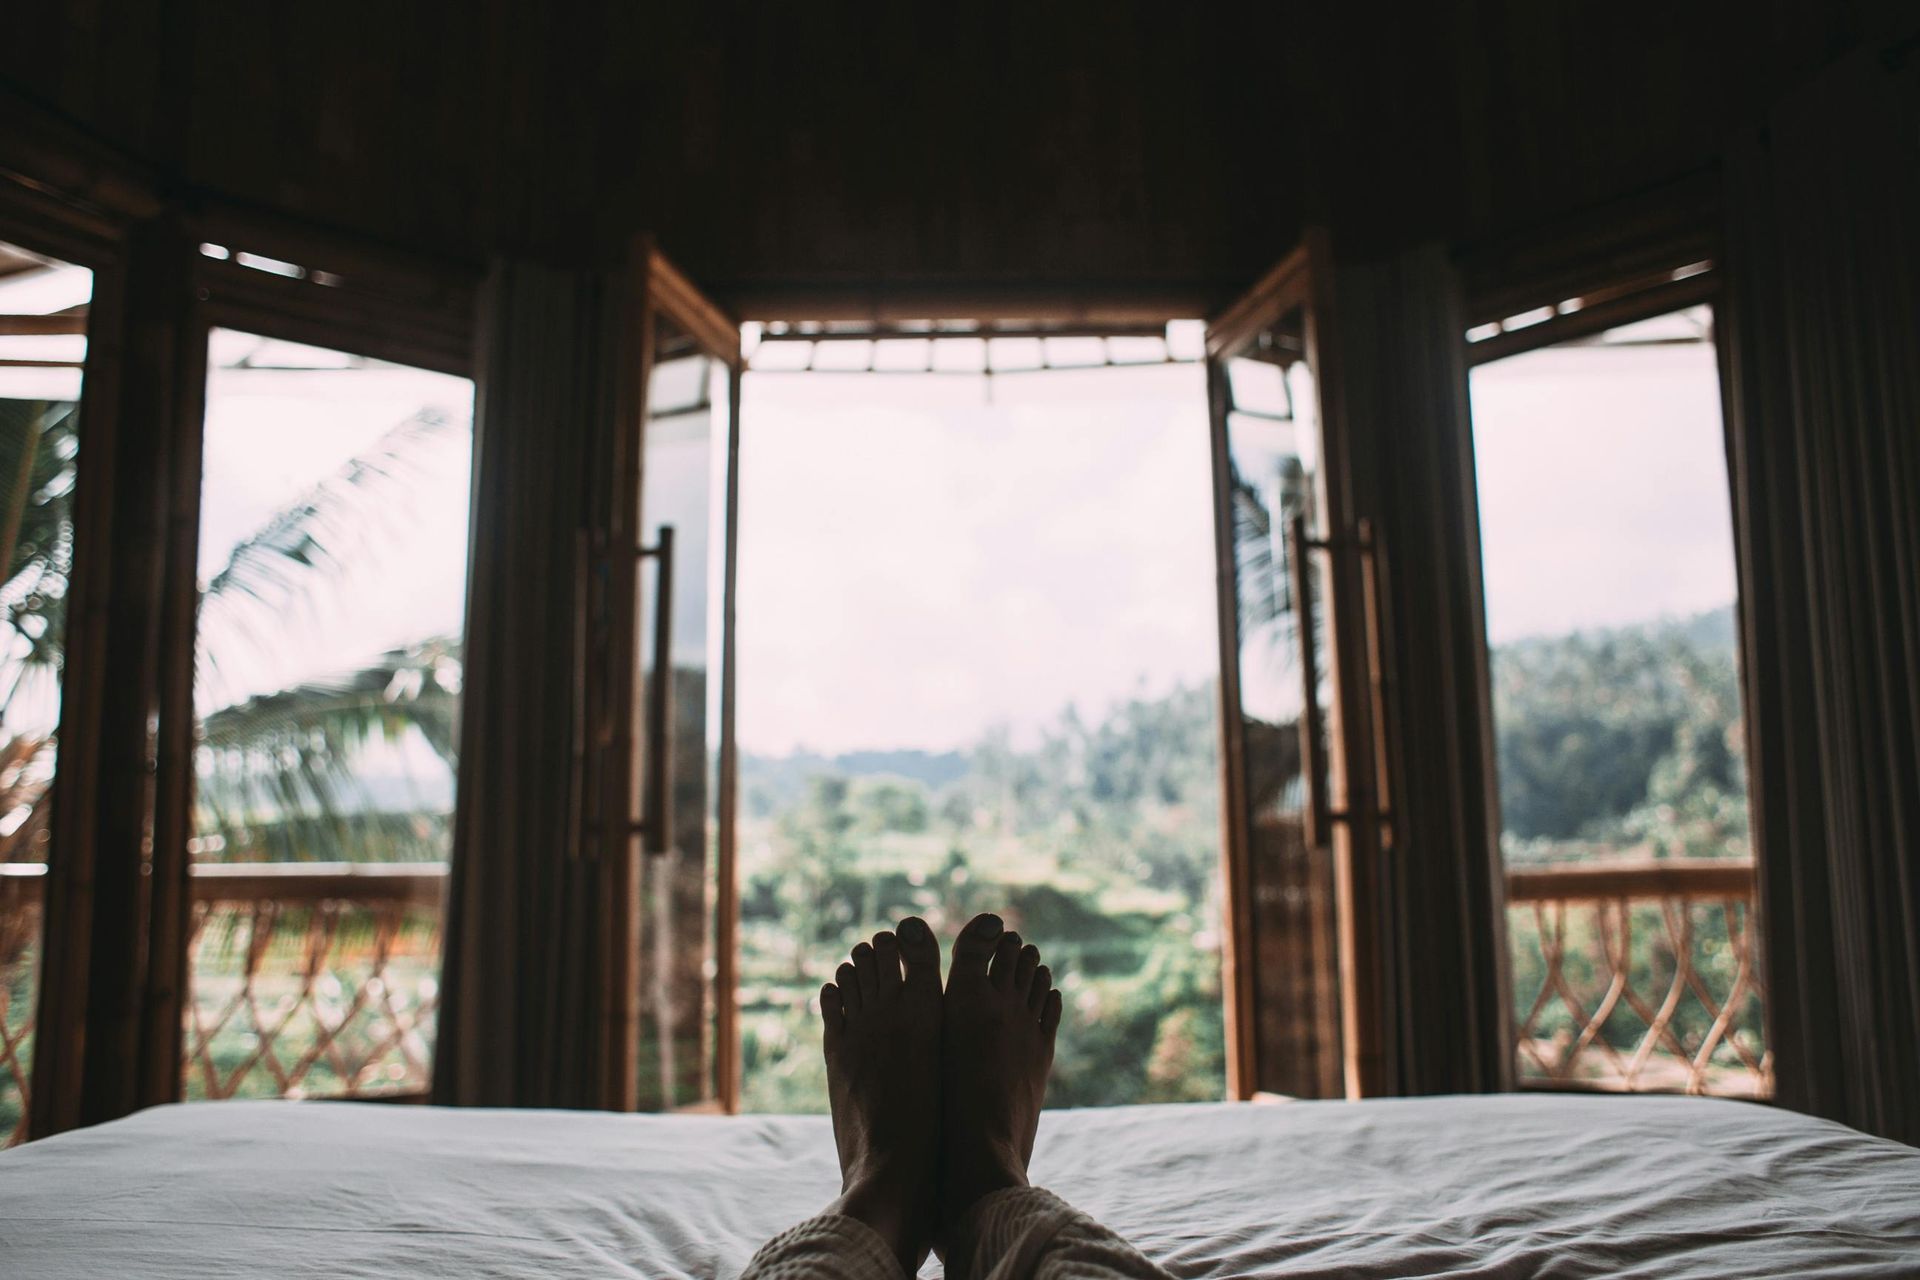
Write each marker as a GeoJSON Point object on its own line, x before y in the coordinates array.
{"type": "Point", "coordinates": [43, 347]}
{"type": "Point", "coordinates": [333, 554]}
{"type": "Point", "coordinates": [1610, 597]}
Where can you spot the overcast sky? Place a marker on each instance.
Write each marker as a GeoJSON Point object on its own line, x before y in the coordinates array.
{"type": "Point", "coordinates": [918, 564]}
{"type": "Point", "coordinates": [1603, 488]}
{"type": "Point", "coordinates": [923, 558]}
{"type": "Point", "coordinates": [272, 435]}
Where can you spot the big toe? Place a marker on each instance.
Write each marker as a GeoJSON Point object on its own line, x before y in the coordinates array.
{"type": "Point", "coordinates": [974, 947]}
{"type": "Point", "coordinates": [921, 952]}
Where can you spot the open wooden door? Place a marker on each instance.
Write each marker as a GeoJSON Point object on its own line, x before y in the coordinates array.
{"type": "Point", "coordinates": [1299, 693]}
{"type": "Point", "coordinates": [676, 611]}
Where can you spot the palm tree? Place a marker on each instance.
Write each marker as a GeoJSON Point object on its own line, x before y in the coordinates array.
{"type": "Point", "coordinates": [278, 772]}
{"type": "Point", "coordinates": [38, 444]}
{"type": "Point", "coordinates": [281, 774]}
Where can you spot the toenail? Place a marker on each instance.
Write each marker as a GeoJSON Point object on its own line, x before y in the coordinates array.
{"type": "Point", "coordinates": [913, 927]}
{"type": "Point", "coordinates": [992, 925]}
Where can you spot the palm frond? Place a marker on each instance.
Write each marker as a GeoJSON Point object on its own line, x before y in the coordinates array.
{"type": "Point", "coordinates": [26, 779]}
{"type": "Point", "coordinates": [283, 776]}
{"type": "Point", "coordinates": [284, 571]}
{"type": "Point", "coordinates": [38, 445]}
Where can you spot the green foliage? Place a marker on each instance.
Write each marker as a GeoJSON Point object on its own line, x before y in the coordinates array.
{"type": "Point", "coordinates": [1626, 743]}
{"type": "Point", "coordinates": [1652, 963]}
{"type": "Point", "coordinates": [281, 776]}
{"type": "Point", "coordinates": [39, 441]}
{"type": "Point", "coordinates": [1622, 739]}
{"type": "Point", "coordinates": [1101, 844]}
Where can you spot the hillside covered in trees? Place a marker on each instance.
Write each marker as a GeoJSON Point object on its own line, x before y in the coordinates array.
{"type": "Point", "coordinates": [1101, 842]}
{"type": "Point", "coordinates": [1625, 740]}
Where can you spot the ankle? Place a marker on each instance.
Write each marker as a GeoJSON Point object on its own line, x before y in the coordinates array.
{"type": "Point", "coordinates": [975, 1176]}
{"type": "Point", "coordinates": [887, 1206]}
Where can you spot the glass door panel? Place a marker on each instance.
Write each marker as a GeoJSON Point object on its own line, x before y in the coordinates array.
{"type": "Point", "coordinates": [681, 589]}
{"type": "Point", "coordinates": [1279, 691]}
{"type": "Point", "coordinates": [1611, 603]}
{"type": "Point", "coordinates": [43, 345]}
{"type": "Point", "coordinates": [333, 571]}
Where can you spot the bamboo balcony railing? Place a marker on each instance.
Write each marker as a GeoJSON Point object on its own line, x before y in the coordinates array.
{"type": "Point", "coordinates": [321, 979]}
{"type": "Point", "coordinates": [308, 980]}
{"type": "Point", "coordinates": [313, 979]}
{"type": "Point", "coordinates": [1638, 976]}
{"type": "Point", "coordinates": [20, 890]}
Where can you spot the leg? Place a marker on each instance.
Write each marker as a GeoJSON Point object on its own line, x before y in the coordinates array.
{"type": "Point", "coordinates": [1002, 1014]}
{"type": "Point", "coordinates": [881, 1035]}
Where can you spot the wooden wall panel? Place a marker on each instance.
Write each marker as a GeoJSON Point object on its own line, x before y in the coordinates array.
{"type": "Point", "coordinates": [850, 147]}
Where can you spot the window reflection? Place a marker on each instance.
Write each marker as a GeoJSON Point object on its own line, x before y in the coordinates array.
{"type": "Point", "coordinates": [333, 552]}
{"type": "Point", "coordinates": [1273, 455]}
{"type": "Point", "coordinates": [40, 450]}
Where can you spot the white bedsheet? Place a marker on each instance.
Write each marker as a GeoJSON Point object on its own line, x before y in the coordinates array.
{"type": "Point", "coordinates": [1509, 1186]}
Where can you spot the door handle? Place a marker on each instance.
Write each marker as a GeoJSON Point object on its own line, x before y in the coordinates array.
{"type": "Point", "coordinates": [1378, 603]}
{"type": "Point", "coordinates": [656, 823]}
{"type": "Point", "coordinates": [1316, 815]}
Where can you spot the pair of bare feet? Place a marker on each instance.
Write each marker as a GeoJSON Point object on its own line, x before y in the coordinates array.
{"type": "Point", "coordinates": [936, 1094]}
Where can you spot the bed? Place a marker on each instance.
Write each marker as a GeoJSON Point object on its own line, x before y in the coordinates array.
{"type": "Point", "coordinates": [1531, 1185]}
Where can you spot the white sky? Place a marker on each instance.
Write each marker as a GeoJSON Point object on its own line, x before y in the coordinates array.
{"type": "Point", "coordinates": [271, 436]}
{"type": "Point", "coordinates": [1603, 488]}
{"type": "Point", "coordinates": [918, 564]}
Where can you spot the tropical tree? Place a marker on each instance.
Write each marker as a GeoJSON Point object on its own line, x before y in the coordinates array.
{"type": "Point", "coordinates": [281, 773]}
{"type": "Point", "coordinates": [276, 770]}
{"type": "Point", "coordinates": [38, 445]}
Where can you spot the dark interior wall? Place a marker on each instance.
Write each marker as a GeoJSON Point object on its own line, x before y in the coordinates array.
{"type": "Point", "coordinates": [860, 146]}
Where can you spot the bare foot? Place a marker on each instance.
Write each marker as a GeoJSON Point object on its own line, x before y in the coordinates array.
{"type": "Point", "coordinates": [995, 1051]}
{"type": "Point", "coordinates": [882, 1042]}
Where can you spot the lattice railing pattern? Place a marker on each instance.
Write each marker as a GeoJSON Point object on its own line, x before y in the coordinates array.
{"type": "Point", "coordinates": [312, 981]}
{"type": "Point", "coordinates": [20, 889]}
{"type": "Point", "coordinates": [1639, 976]}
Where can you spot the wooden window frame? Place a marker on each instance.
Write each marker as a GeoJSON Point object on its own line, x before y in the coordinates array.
{"type": "Point", "coordinates": [386, 306]}
{"type": "Point", "coordinates": [114, 925]}
{"type": "Point", "coordinates": [663, 289]}
{"type": "Point", "coordinates": [89, 235]}
{"type": "Point", "coordinates": [1619, 264]}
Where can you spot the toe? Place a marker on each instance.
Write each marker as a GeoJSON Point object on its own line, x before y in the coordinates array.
{"type": "Point", "coordinates": [1050, 1015]}
{"type": "Point", "coordinates": [974, 947]}
{"type": "Point", "coordinates": [921, 950]}
{"type": "Point", "coordinates": [868, 970]}
{"type": "Point", "coordinates": [1024, 967]}
{"type": "Point", "coordinates": [849, 982]}
{"type": "Point", "coordinates": [1006, 957]}
{"type": "Point", "coordinates": [832, 1019]}
{"type": "Point", "coordinates": [886, 959]}
{"type": "Point", "coordinates": [1037, 993]}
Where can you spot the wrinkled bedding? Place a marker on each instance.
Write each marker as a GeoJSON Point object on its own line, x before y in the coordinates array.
{"type": "Point", "coordinates": [1535, 1185]}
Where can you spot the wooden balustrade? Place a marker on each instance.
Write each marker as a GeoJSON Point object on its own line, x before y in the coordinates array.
{"type": "Point", "coordinates": [313, 979]}
{"type": "Point", "coordinates": [20, 894]}
{"type": "Point", "coordinates": [1638, 975]}
{"type": "Point", "coordinates": [321, 979]}
{"type": "Point", "coordinates": [309, 980]}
